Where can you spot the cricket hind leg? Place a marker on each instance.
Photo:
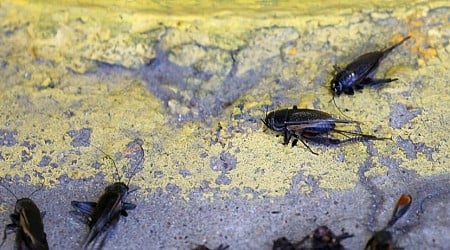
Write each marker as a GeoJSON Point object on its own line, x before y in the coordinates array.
{"type": "Point", "coordinates": [323, 140]}
{"type": "Point", "coordinates": [329, 140]}
{"type": "Point", "coordinates": [300, 138]}
{"type": "Point", "coordinates": [333, 141]}
{"type": "Point", "coordinates": [357, 137]}
{"type": "Point", "coordinates": [307, 146]}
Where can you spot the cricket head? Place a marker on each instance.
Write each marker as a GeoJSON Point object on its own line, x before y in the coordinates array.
{"type": "Point", "coordinates": [118, 187]}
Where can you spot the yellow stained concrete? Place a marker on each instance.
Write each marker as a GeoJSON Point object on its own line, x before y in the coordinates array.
{"type": "Point", "coordinates": [72, 34]}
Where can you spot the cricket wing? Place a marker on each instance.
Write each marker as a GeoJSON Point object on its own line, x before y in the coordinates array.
{"type": "Point", "coordinates": [309, 123]}
{"type": "Point", "coordinates": [23, 241]}
{"type": "Point", "coordinates": [31, 230]}
{"type": "Point", "coordinates": [127, 206]}
{"type": "Point", "coordinates": [85, 207]}
{"type": "Point", "coordinates": [105, 216]}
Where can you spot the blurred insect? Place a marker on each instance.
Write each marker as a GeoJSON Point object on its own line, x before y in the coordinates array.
{"type": "Point", "coordinates": [383, 240]}
{"type": "Point", "coordinates": [283, 244]}
{"type": "Point", "coordinates": [103, 215]}
{"type": "Point", "coordinates": [321, 239]}
{"type": "Point", "coordinates": [324, 238]}
{"type": "Point", "coordinates": [203, 247]}
{"type": "Point", "coordinates": [359, 73]}
{"type": "Point", "coordinates": [27, 224]}
{"type": "Point", "coordinates": [312, 125]}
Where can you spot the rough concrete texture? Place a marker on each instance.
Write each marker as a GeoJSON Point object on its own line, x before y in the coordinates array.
{"type": "Point", "coordinates": [176, 100]}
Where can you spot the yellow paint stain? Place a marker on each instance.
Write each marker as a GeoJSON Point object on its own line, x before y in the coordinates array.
{"type": "Point", "coordinates": [307, 100]}
{"type": "Point", "coordinates": [74, 175]}
{"type": "Point", "coordinates": [292, 51]}
{"type": "Point", "coordinates": [428, 53]}
{"type": "Point", "coordinates": [376, 170]}
{"type": "Point", "coordinates": [397, 38]}
{"type": "Point", "coordinates": [423, 39]}
{"type": "Point", "coordinates": [121, 109]}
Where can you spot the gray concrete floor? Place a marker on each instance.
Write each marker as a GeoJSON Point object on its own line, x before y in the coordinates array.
{"type": "Point", "coordinates": [165, 221]}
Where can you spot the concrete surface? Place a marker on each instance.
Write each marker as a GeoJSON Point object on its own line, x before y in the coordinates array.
{"type": "Point", "coordinates": [80, 78]}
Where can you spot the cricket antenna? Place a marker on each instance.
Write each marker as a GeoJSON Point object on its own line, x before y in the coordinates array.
{"type": "Point", "coordinates": [15, 196]}
{"type": "Point", "coordinates": [114, 162]}
{"type": "Point", "coordinates": [7, 189]}
{"type": "Point", "coordinates": [340, 111]}
{"type": "Point", "coordinates": [135, 147]}
{"type": "Point", "coordinates": [35, 191]}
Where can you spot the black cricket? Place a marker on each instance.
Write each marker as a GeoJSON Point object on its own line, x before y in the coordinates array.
{"type": "Point", "coordinates": [314, 126]}
{"type": "Point", "coordinates": [383, 239]}
{"type": "Point", "coordinates": [27, 224]}
{"type": "Point", "coordinates": [358, 74]}
{"type": "Point", "coordinates": [321, 238]}
{"type": "Point", "coordinates": [102, 216]}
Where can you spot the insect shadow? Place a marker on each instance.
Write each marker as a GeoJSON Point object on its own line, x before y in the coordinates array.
{"type": "Point", "coordinates": [359, 73]}
{"type": "Point", "coordinates": [383, 239]}
{"type": "Point", "coordinates": [26, 223]}
{"type": "Point", "coordinates": [314, 126]}
{"type": "Point", "coordinates": [103, 216]}
{"type": "Point", "coordinates": [321, 239]}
